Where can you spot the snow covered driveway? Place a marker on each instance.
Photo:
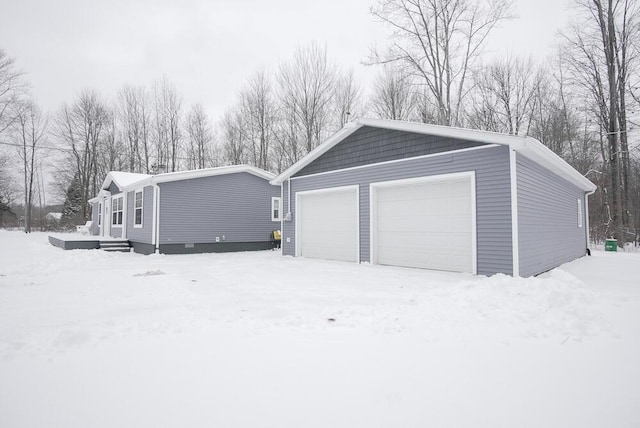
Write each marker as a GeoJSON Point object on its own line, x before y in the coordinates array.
{"type": "Point", "coordinates": [93, 339]}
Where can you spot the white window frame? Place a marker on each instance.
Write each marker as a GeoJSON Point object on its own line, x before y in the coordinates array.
{"type": "Point", "coordinates": [579, 212]}
{"type": "Point", "coordinates": [136, 208]}
{"type": "Point", "coordinates": [114, 211]}
{"type": "Point", "coordinates": [278, 200]}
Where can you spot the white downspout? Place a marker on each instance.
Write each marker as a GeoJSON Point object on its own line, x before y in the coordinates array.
{"type": "Point", "coordinates": [586, 215]}
{"type": "Point", "coordinates": [155, 236]}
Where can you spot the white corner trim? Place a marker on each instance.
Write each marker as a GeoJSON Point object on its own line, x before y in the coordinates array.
{"type": "Point", "coordinates": [586, 216]}
{"type": "Point", "coordinates": [154, 215]}
{"type": "Point", "coordinates": [515, 247]}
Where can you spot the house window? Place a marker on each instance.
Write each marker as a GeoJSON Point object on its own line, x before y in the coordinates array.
{"type": "Point", "coordinates": [116, 211]}
{"type": "Point", "coordinates": [276, 209]}
{"type": "Point", "coordinates": [137, 213]}
{"type": "Point", "coordinates": [100, 214]}
{"type": "Point", "coordinates": [579, 212]}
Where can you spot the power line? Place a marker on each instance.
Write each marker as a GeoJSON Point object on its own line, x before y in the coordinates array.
{"type": "Point", "coordinates": [37, 146]}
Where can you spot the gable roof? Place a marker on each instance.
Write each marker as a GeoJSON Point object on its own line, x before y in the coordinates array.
{"type": "Point", "coordinates": [127, 181]}
{"type": "Point", "coordinates": [199, 173]}
{"type": "Point", "coordinates": [122, 179]}
{"type": "Point", "coordinates": [527, 146]}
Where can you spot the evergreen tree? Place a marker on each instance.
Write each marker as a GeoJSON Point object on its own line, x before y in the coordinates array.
{"type": "Point", "coordinates": [73, 203]}
{"type": "Point", "coordinates": [7, 217]}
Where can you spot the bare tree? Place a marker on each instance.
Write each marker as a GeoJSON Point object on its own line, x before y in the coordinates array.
{"type": "Point", "coordinates": [30, 128]}
{"type": "Point", "coordinates": [12, 89]}
{"type": "Point", "coordinates": [111, 151]}
{"type": "Point", "coordinates": [306, 91]}
{"type": "Point", "coordinates": [133, 120]}
{"type": "Point", "coordinates": [168, 110]}
{"type": "Point", "coordinates": [393, 95]}
{"type": "Point", "coordinates": [347, 99]}
{"type": "Point", "coordinates": [79, 128]}
{"type": "Point", "coordinates": [601, 50]}
{"type": "Point", "coordinates": [507, 94]}
{"type": "Point", "coordinates": [438, 42]}
{"type": "Point", "coordinates": [234, 140]}
{"type": "Point", "coordinates": [200, 138]}
{"type": "Point", "coordinates": [258, 109]}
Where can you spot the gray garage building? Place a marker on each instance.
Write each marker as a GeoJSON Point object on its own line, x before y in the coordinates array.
{"type": "Point", "coordinates": [416, 195]}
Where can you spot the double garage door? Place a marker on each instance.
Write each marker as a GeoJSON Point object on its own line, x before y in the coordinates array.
{"type": "Point", "coordinates": [425, 223]}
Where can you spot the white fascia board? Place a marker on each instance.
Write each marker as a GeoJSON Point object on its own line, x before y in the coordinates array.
{"type": "Point", "coordinates": [123, 179]}
{"type": "Point", "coordinates": [101, 194]}
{"type": "Point", "coordinates": [200, 173]}
{"type": "Point", "coordinates": [442, 131]}
{"type": "Point", "coordinates": [314, 154]}
{"type": "Point", "coordinates": [528, 146]}
{"type": "Point", "coordinates": [538, 152]}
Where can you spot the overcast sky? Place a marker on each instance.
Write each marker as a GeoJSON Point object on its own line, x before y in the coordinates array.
{"type": "Point", "coordinates": [209, 48]}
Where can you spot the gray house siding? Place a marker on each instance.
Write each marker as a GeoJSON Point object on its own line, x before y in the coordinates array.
{"type": "Point", "coordinates": [234, 208]}
{"type": "Point", "coordinates": [114, 189]}
{"type": "Point", "coordinates": [144, 234]}
{"type": "Point", "coordinates": [493, 198]}
{"type": "Point", "coordinates": [547, 219]}
{"type": "Point", "coordinates": [370, 145]}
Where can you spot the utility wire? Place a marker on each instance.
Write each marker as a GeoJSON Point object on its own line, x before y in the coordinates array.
{"type": "Point", "coordinates": [38, 146]}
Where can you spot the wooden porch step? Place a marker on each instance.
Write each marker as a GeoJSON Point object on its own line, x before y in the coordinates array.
{"type": "Point", "coordinates": [121, 245]}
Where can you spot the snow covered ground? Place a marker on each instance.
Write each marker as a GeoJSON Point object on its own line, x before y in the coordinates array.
{"type": "Point", "coordinates": [94, 339]}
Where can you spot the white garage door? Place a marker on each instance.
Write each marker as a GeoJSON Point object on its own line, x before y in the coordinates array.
{"type": "Point", "coordinates": [425, 224]}
{"type": "Point", "coordinates": [327, 224]}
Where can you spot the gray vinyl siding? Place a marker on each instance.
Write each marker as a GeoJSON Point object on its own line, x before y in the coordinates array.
{"type": "Point", "coordinates": [370, 145]}
{"type": "Point", "coordinates": [234, 206]}
{"type": "Point", "coordinates": [145, 233]}
{"type": "Point", "coordinates": [113, 189]}
{"type": "Point", "coordinates": [547, 219]}
{"type": "Point", "coordinates": [493, 198]}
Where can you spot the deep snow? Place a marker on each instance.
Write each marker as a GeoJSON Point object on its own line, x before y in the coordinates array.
{"type": "Point", "coordinates": [95, 339]}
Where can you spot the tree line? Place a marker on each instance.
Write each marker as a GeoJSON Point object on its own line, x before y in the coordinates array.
{"type": "Point", "coordinates": [582, 103]}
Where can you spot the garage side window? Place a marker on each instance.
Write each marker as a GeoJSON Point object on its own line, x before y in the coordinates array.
{"type": "Point", "coordinates": [276, 210]}
{"type": "Point", "coordinates": [137, 214]}
{"type": "Point", "coordinates": [579, 212]}
{"type": "Point", "coordinates": [116, 211]}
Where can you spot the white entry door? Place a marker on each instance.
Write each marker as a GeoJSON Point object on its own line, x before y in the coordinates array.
{"type": "Point", "coordinates": [426, 223]}
{"type": "Point", "coordinates": [327, 224]}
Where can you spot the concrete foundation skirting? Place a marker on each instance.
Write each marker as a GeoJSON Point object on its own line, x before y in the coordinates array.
{"type": "Point", "coordinates": [215, 247]}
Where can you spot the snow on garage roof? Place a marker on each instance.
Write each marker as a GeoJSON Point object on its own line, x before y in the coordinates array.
{"type": "Point", "coordinates": [527, 146]}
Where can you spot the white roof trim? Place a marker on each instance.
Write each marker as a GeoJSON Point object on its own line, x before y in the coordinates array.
{"type": "Point", "coordinates": [122, 179]}
{"type": "Point", "coordinates": [199, 173]}
{"type": "Point", "coordinates": [528, 146]}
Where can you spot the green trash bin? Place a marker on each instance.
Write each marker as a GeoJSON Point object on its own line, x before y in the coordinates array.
{"type": "Point", "coordinates": [611, 245]}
